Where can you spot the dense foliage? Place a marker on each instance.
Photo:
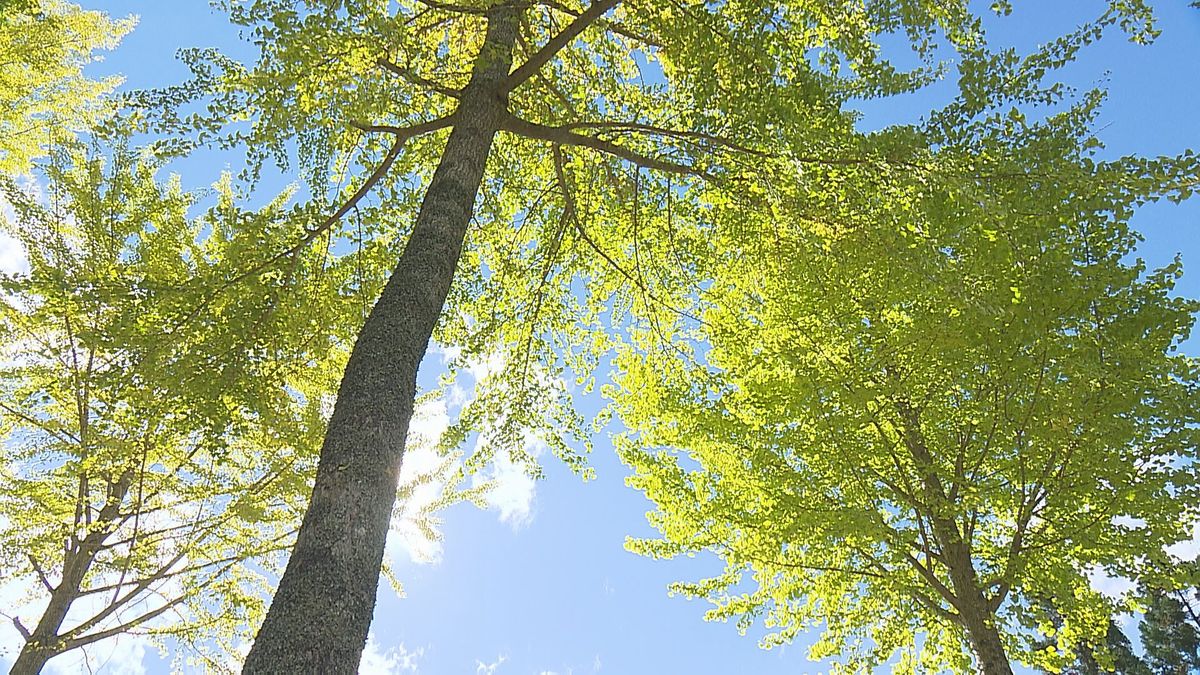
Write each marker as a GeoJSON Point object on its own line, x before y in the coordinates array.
{"type": "Point", "coordinates": [929, 412]}
{"type": "Point", "coordinates": [44, 46]}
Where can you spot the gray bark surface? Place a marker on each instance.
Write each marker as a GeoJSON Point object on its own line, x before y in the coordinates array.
{"type": "Point", "coordinates": [322, 610]}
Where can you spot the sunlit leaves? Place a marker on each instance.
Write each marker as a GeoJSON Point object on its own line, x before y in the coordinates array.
{"type": "Point", "coordinates": [158, 435]}
{"type": "Point", "coordinates": [973, 296]}
{"type": "Point", "coordinates": [44, 45]}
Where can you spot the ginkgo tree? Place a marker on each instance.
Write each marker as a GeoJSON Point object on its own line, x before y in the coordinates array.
{"type": "Point", "coordinates": [596, 113]}
{"type": "Point", "coordinates": [157, 443]}
{"type": "Point", "coordinates": [916, 408]}
{"type": "Point", "coordinates": [357, 94]}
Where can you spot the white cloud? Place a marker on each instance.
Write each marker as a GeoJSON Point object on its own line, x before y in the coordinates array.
{"type": "Point", "coordinates": [12, 256]}
{"type": "Point", "coordinates": [1190, 549]}
{"type": "Point", "coordinates": [1110, 586]}
{"type": "Point", "coordinates": [13, 259]}
{"type": "Point", "coordinates": [424, 472]}
{"type": "Point", "coordinates": [482, 668]}
{"type": "Point", "coordinates": [1129, 522]}
{"type": "Point", "coordinates": [420, 479]}
{"type": "Point", "coordinates": [512, 490]}
{"type": "Point", "coordinates": [596, 664]}
{"type": "Point", "coordinates": [394, 661]}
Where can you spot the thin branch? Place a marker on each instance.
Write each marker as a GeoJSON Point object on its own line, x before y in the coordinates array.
{"type": "Point", "coordinates": [816, 568]}
{"type": "Point", "coordinates": [402, 134]}
{"type": "Point", "coordinates": [41, 573]}
{"type": "Point", "coordinates": [569, 208]}
{"type": "Point", "coordinates": [411, 75]}
{"type": "Point", "coordinates": [66, 437]}
{"type": "Point", "coordinates": [564, 136]}
{"type": "Point", "coordinates": [555, 44]}
{"type": "Point", "coordinates": [613, 26]}
{"type": "Point", "coordinates": [74, 643]}
{"type": "Point", "coordinates": [654, 130]}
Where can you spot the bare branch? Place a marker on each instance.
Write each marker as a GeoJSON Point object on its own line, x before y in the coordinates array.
{"type": "Point", "coordinates": [555, 44]}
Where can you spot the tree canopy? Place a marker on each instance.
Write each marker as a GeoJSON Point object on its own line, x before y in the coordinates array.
{"type": "Point", "coordinates": [910, 385]}
{"type": "Point", "coordinates": [158, 439]}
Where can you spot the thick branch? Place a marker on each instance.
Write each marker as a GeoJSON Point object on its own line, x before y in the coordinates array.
{"type": "Point", "coordinates": [932, 579]}
{"type": "Point", "coordinates": [555, 44]}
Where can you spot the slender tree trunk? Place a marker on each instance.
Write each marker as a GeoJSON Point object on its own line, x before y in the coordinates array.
{"type": "Point", "coordinates": [45, 642]}
{"type": "Point", "coordinates": [977, 618]}
{"type": "Point", "coordinates": [42, 643]}
{"type": "Point", "coordinates": [975, 613]}
{"type": "Point", "coordinates": [322, 610]}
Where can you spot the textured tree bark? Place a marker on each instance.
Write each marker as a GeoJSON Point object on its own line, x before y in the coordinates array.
{"type": "Point", "coordinates": [322, 610]}
{"type": "Point", "coordinates": [43, 642]}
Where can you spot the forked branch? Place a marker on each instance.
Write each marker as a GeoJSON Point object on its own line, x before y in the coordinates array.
{"type": "Point", "coordinates": [542, 56]}
{"type": "Point", "coordinates": [410, 75]}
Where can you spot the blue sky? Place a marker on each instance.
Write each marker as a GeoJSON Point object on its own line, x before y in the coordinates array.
{"type": "Point", "coordinates": [549, 587]}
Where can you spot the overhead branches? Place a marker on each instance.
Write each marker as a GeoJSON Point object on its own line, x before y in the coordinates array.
{"type": "Point", "coordinates": [570, 214]}
{"type": "Point", "coordinates": [401, 136]}
{"type": "Point", "coordinates": [653, 130]}
{"type": "Point", "coordinates": [611, 26]}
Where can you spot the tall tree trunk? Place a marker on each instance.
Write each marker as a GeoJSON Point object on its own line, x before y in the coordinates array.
{"type": "Point", "coordinates": [43, 642]}
{"type": "Point", "coordinates": [322, 610]}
